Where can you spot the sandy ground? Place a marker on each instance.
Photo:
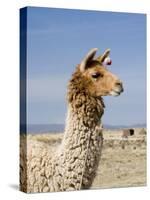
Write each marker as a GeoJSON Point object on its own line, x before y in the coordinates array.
{"type": "Point", "coordinates": [123, 161]}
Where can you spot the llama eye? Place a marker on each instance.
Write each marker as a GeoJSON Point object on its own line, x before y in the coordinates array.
{"type": "Point", "coordinates": [96, 75]}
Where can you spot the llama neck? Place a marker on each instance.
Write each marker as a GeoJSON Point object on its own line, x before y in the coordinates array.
{"type": "Point", "coordinates": [82, 120]}
{"type": "Point", "coordinates": [84, 111]}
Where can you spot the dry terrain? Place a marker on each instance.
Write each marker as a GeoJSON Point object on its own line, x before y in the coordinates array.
{"type": "Point", "coordinates": [123, 161]}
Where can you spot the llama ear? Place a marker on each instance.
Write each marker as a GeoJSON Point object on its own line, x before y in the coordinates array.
{"type": "Point", "coordinates": [90, 55]}
{"type": "Point", "coordinates": [104, 56]}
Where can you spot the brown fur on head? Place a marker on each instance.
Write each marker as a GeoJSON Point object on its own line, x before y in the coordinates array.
{"type": "Point", "coordinates": [99, 80]}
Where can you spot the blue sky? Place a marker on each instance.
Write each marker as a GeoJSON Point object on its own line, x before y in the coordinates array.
{"type": "Point", "coordinates": [58, 39]}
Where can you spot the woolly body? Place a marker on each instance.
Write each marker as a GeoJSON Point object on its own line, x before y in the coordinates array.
{"type": "Point", "coordinates": [73, 165]}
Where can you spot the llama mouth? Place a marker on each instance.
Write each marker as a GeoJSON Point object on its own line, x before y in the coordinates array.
{"type": "Point", "coordinates": [115, 93]}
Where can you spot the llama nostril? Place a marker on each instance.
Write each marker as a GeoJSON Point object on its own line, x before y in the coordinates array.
{"type": "Point", "coordinates": [118, 83]}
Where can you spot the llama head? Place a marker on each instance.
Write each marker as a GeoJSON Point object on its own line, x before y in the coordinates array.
{"type": "Point", "coordinates": [101, 81]}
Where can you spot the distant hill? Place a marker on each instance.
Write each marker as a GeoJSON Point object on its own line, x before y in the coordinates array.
{"type": "Point", "coordinates": [58, 128]}
{"type": "Point", "coordinates": [45, 128]}
{"type": "Point", "coordinates": [107, 126]}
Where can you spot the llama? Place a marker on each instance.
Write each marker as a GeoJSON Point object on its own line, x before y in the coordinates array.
{"type": "Point", "coordinates": [73, 164]}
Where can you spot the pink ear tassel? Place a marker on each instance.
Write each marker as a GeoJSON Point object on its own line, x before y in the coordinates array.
{"type": "Point", "coordinates": [107, 61]}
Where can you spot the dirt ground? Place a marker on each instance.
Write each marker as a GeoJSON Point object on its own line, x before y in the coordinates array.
{"type": "Point", "coordinates": [123, 161]}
